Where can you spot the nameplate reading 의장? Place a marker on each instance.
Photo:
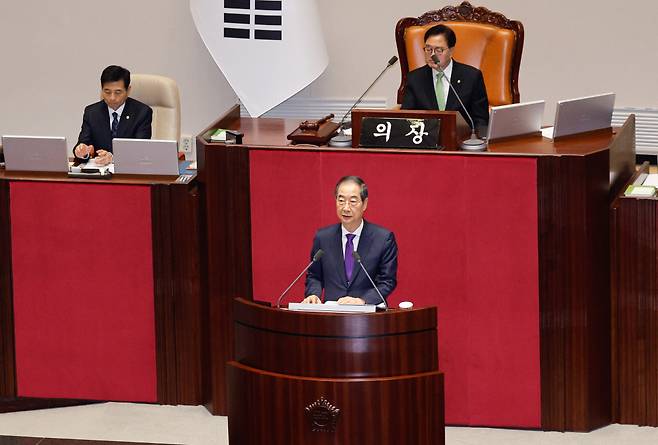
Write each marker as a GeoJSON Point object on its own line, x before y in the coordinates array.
{"type": "Point", "coordinates": [400, 133]}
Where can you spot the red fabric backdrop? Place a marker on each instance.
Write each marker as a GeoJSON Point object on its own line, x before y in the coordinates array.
{"type": "Point", "coordinates": [466, 228]}
{"type": "Point", "coordinates": [83, 291]}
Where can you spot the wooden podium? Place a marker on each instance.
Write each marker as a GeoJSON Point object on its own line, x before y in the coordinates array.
{"type": "Point", "coordinates": [310, 378]}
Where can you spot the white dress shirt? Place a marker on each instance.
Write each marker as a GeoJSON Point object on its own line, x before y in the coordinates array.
{"type": "Point", "coordinates": [118, 111]}
{"type": "Point", "coordinates": [444, 80]}
{"type": "Point", "coordinates": [357, 236]}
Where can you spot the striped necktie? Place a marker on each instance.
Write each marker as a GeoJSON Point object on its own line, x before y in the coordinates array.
{"type": "Point", "coordinates": [115, 124]}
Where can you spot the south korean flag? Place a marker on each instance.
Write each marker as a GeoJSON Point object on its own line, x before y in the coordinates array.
{"type": "Point", "coordinates": [267, 49]}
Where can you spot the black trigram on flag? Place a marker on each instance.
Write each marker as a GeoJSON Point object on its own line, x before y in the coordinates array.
{"type": "Point", "coordinates": [252, 19]}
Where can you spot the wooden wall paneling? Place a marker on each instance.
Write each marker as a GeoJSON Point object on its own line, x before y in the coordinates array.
{"type": "Point", "coordinates": [574, 291]}
{"type": "Point", "coordinates": [189, 299]}
{"type": "Point", "coordinates": [179, 300]}
{"type": "Point", "coordinates": [163, 295]}
{"type": "Point", "coordinates": [7, 351]}
{"type": "Point", "coordinates": [635, 311]}
{"type": "Point", "coordinates": [229, 254]}
{"type": "Point", "coordinates": [551, 297]}
{"type": "Point", "coordinates": [593, 375]}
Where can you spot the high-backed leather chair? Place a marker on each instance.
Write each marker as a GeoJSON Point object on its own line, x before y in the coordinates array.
{"type": "Point", "coordinates": [161, 94]}
{"type": "Point", "coordinates": [486, 40]}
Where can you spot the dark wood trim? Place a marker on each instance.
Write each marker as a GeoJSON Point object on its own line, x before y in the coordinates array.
{"type": "Point", "coordinates": [178, 300]}
{"type": "Point", "coordinates": [464, 12]}
{"type": "Point", "coordinates": [7, 351]}
{"type": "Point", "coordinates": [573, 291]}
{"type": "Point", "coordinates": [622, 157]}
{"type": "Point", "coordinates": [17, 440]}
{"type": "Point", "coordinates": [228, 120]}
{"type": "Point", "coordinates": [228, 214]}
{"type": "Point", "coordinates": [10, 405]}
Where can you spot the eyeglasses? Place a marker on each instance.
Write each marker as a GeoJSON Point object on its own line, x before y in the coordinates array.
{"type": "Point", "coordinates": [438, 50]}
{"type": "Point", "coordinates": [352, 202]}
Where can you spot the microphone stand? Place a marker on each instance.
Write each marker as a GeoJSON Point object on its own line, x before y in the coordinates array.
{"type": "Point", "coordinates": [316, 257]}
{"type": "Point", "coordinates": [341, 139]}
{"type": "Point", "coordinates": [357, 257]}
{"type": "Point", "coordinates": [473, 143]}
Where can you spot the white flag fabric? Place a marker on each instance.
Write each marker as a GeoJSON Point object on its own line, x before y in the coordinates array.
{"type": "Point", "coordinates": [267, 49]}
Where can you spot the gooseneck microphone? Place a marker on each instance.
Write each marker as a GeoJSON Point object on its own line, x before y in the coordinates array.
{"type": "Point", "coordinates": [474, 143]}
{"type": "Point", "coordinates": [343, 140]}
{"type": "Point", "coordinates": [316, 257]}
{"type": "Point", "coordinates": [357, 257]}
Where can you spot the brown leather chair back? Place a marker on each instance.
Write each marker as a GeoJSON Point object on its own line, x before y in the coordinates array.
{"type": "Point", "coordinates": [486, 40]}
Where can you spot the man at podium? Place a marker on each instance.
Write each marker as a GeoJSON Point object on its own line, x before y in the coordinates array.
{"type": "Point", "coordinates": [338, 271]}
{"type": "Point", "coordinates": [427, 86]}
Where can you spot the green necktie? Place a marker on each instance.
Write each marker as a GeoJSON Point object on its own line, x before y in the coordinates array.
{"type": "Point", "coordinates": [440, 97]}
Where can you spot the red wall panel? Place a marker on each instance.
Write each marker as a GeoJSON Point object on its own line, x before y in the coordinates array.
{"type": "Point", "coordinates": [83, 291]}
{"type": "Point", "coordinates": [466, 228]}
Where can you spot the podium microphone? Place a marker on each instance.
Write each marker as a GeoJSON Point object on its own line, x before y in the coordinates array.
{"type": "Point", "coordinates": [316, 257]}
{"type": "Point", "coordinates": [357, 257]}
{"type": "Point", "coordinates": [473, 143]}
{"type": "Point", "coordinates": [343, 140]}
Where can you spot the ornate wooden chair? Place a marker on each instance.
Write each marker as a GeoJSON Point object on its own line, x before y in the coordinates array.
{"type": "Point", "coordinates": [486, 40]}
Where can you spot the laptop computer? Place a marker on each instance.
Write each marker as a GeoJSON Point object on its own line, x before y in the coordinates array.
{"type": "Point", "coordinates": [145, 157]}
{"type": "Point", "coordinates": [35, 153]}
{"type": "Point", "coordinates": [583, 114]}
{"type": "Point", "coordinates": [515, 119]}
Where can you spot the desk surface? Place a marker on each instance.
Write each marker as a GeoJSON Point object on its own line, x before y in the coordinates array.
{"type": "Point", "coordinates": [272, 133]}
{"type": "Point", "coordinates": [116, 179]}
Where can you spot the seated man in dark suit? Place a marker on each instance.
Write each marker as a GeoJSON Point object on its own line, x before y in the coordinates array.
{"type": "Point", "coordinates": [423, 93]}
{"type": "Point", "coordinates": [116, 116]}
{"type": "Point", "coordinates": [337, 272]}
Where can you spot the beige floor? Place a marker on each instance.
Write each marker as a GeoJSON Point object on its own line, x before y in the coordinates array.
{"type": "Point", "coordinates": [195, 426]}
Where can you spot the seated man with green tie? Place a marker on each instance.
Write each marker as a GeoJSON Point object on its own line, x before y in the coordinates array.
{"type": "Point", "coordinates": [427, 87]}
{"type": "Point", "coordinates": [115, 116]}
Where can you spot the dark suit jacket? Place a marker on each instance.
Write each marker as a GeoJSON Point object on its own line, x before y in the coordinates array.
{"type": "Point", "coordinates": [467, 81]}
{"type": "Point", "coordinates": [135, 123]}
{"type": "Point", "coordinates": [379, 255]}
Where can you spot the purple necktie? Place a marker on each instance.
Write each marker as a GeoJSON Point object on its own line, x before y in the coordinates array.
{"type": "Point", "coordinates": [349, 258]}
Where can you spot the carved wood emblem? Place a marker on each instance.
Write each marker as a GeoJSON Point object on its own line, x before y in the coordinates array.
{"type": "Point", "coordinates": [323, 416]}
{"type": "Point", "coordinates": [467, 12]}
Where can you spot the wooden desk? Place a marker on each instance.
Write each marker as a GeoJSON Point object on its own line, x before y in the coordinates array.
{"type": "Point", "coordinates": [100, 290]}
{"type": "Point", "coordinates": [635, 309]}
{"type": "Point", "coordinates": [511, 245]}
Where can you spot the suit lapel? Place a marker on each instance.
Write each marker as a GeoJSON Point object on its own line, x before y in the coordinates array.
{"type": "Point", "coordinates": [103, 122]}
{"type": "Point", "coordinates": [430, 91]}
{"type": "Point", "coordinates": [124, 122]}
{"type": "Point", "coordinates": [337, 252]}
{"type": "Point", "coordinates": [456, 80]}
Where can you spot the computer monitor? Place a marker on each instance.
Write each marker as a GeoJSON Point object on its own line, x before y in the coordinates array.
{"type": "Point", "coordinates": [515, 119]}
{"type": "Point", "coordinates": [35, 153]}
{"type": "Point", "coordinates": [145, 157]}
{"type": "Point", "coordinates": [583, 114]}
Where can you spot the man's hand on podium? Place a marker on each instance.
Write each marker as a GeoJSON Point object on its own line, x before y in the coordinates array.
{"type": "Point", "coordinates": [312, 299]}
{"type": "Point", "coordinates": [351, 300]}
